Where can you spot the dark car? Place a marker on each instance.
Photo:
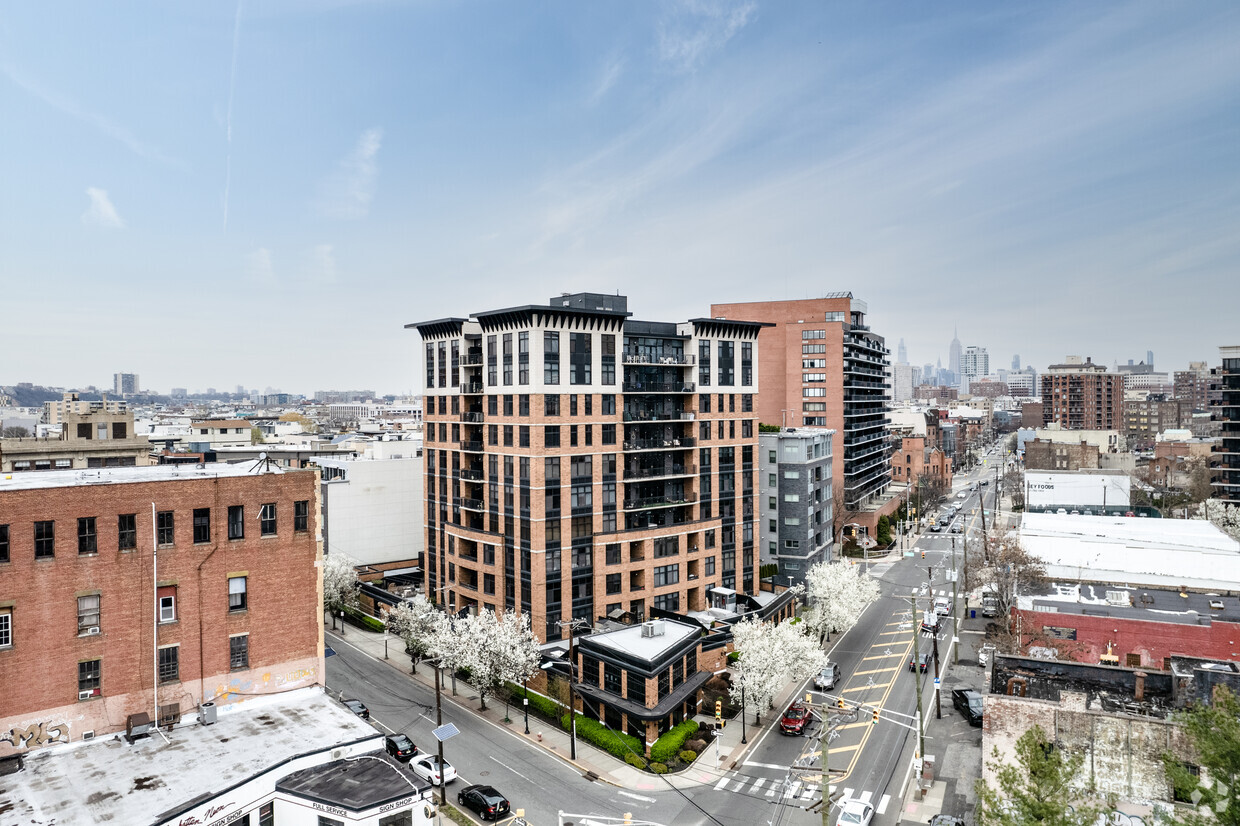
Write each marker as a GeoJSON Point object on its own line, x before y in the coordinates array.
{"type": "Point", "coordinates": [794, 719]}
{"type": "Point", "coordinates": [358, 708]}
{"type": "Point", "coordinates": [400, 746]}
{"type": "Point", "coordinates": [926, 659]}
{"type": "Point", "coordinates": [969, 703]}
{"type": "Point", "coordinates": [488, 803]}
{"type": "Point", "coordinates": [946, 820]}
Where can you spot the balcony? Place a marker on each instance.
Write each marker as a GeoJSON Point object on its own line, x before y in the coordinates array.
{"type": "Point", "coordinates": [659, 416]}
{"type": "Point", "coordinates": [471, 445]}
{"type": "Point", "coordinates": [471, 360]}
{"type": "Point", "coordinates": [648, 502]}
{"type": "Point", "coordinates": [659, 387]}
{"type": "Point", "coordinates": [472, 388]}
{"type": "Point", "coordinates": [473, 417]}
{"type": "Point", "coordinates": [470, 474]}
{"type": "Point", "coordinates": [657, 472]}
{"type": "Point", "coordinates": [669, 359]}
{"type": "Point", "coordinates": [473, 504]}
{"type": "Point", "coordinates": [632, 445]}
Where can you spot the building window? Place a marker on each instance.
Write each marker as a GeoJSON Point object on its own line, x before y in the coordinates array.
{"type": "Point", "coordinates": [90, 679]}
{"type": "Point", "coordinates": [4, 543]}
{"type": "Point", "coordinates": [164, 527]}
{"type": "Point", "coordinates": [579, 358]}
{"type": "Point", "coordinates": [523, 357]}
{"type": "Point", "coordinates": [613, 584]}
{"type": "Point", "coordinates": [169, 664]}
{"type": "Point", "coordinates": [127, 531]}
{"type": "Point", "coordinates": [202, 525]}
{"type": "Point", "coordinates": [236, 522]}
{"type": "Point", "coordinates": [6, 627]}
{"type": "Point", "coordinates": [168, 603]}
{"type": "Point", "coordinates": [666, 575]}
{"type": "Point", "coordinates": [609, 434]}
{"type": "Point", "coordinates": [236, 593]}
{"type": "Point", "coordinates": [44, 540]}
{"type": "Point", "coordinates": [609, 358]}
{"type": "Point", "coordinates": [88, 614]}
{"type": "Point", "coordinates": [267, 519]}
{"type": "Point", "coordinates": [551, 405]}
{"type": "Point", "coordinates": [667, 602]}
{"type": "Point", "coordinates": [87, 537]}
{"type": "Point", "coordinates": [613, 554]}
{"type": "Point", "coordinates": [551, 435]}
{"type": "Point", "coordinates": [551, 357]}
{"type": "Point", "coordinates": [239, 652]}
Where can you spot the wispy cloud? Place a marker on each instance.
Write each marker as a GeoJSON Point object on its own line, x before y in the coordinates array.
{"type": "Point", "coordinates": [695, 29]}
{"type": "Point", "coordinates": [611, 73]}
{"type": "Point", "coordinates": [101, 212]}
{"type": "Point", "coordinates": [321, 265]}
{"type": "Point", "coordinates": [232, 85]}
{"type": "Point", "coordinates": [348, 191]}
{"type": "Point", "coordinates": [259, 269]}
{"type": "Point", "coordinates": [71, 108]}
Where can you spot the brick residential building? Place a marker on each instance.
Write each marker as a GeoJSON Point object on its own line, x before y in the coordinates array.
{"type": "Point", "coordinates": [95, 620]}
{"type": "Point", "coordinates": [1144, 419]}
{"type": "Point", "coordinates": [916, 457]}
{"type": "Point", "coordinates": [581, 463]}
{"type": "Point", "coordinates": [1081, 395]}
{"type": "Point", "coordinates": [824, 367]}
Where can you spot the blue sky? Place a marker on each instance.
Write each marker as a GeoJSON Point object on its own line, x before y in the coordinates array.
{"type": "Point", "coordinates": [265, 193]}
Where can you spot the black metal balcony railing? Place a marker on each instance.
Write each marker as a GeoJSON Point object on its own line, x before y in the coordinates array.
{"type": "Point", "coordinates": [473, 417]}
{"type": "Point", "coordinates": [659, 416]}
{"type": "Point", "coordinates": [682, 359]}
{"type": "Point", "coordinates": [471, 387]}
{"type": "Point", "coordinates": [659, 444]}
{"type": "Point", "coordinates": [471, 359]}
{"type": "Point", "coordinates": [656, 472]}
{"type": "Point", "coordinates": [472, 445]}
{"type": "Point", "coordinates": [473, 504]}
{"type": "Point", "coordinates": [659, 387]}
{"type": "Point", "coordinates": [470, 474]}
{"type": "Point", "coordinates": [644, 502]}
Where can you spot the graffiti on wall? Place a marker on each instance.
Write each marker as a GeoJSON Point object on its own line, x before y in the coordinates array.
{"type": "Point", "coordinates": [39, 734]}
{"type": "Point", "coordinates": [237, 689]}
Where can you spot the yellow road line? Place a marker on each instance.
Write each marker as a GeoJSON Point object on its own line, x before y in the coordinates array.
{"type": "Point", "coordinates": [865, 736]}
{"type": "Point", "coordinates": [875, 671]}
{"type": "Point", "coordinates": [865, 687]}
{"type": "Point", "coordinates": [884, 656]}
{"type": "Point", "coordinates": [897, 631]}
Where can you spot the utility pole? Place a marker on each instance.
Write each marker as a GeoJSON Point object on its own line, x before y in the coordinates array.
{"type": "Point", "coordinates": [443, 786]}
{"type": "Point", "coordinates": [955, 607]}
{"type": "Point", "coordinates": [938, 707]}
{"type": "Point", "coordinates": [921, 740]}
{"type": "Point", "coordinates": [572, 686]}
{"type": "Point", "coordinates": [826, 759]}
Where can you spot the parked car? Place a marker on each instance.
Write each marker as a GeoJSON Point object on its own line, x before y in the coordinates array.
{"type": "Point", "coordinates": [946, 820]}
{"type": "Point", "coordinates": [923, 660]}
{"type": "Point", "coordinates": [958, 526]}
{"type": "Point", "coordinates": [400, 746]}
{"type": "Point", "coordinates": [930, 621]}
{"type": "Point", "coordinates": [969, 703]}
{"type": "Point", "coordinates": [942, 606]}
{"type": "Point", "coordinates": [828, 677]}
{"type": "Point", "coordinates": [794, 719]}
{"type": "Point", "coordinates": [484, 800]}
{"type": "Point", "coordinates": [855, 813]}
{"type": "Point", "coordinates": [962, 495]}
{"type": "Point", "coordinates": [984, 482]}
{"type": "Point", "coordinates": [358, 708]}
{"type": "Point", "coordinates": [427, 768]}
{"type": "Point", "coordinates": [936, 527]}
{"type": "Point", "coordinates": [1129, 513]}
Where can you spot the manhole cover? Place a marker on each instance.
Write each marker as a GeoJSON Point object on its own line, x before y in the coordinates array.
{"type": "Point", "coordinates": [483, 774]}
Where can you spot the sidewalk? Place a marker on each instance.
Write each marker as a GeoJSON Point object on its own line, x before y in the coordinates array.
{"type": "Point", "coordinates": [555, 741]}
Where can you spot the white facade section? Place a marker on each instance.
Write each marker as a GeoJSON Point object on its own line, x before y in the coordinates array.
{"type": "Point", "coordinates": [1088, 490]}
{"type": "Point", "coordinates": [366, 504]}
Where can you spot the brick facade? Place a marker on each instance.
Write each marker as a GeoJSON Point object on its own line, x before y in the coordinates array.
{"type": "Point", "coordinates": [115, 621]}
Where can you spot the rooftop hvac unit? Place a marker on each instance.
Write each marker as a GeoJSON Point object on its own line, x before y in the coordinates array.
{"type": "Point", "coordinates": [138, 725]}
{"type": "Point", "coordinates": [1118, 598]}
{"type": "Point", "coordinates": [654, 628]}
{"type": "Point", "coordinates": [206, 713]}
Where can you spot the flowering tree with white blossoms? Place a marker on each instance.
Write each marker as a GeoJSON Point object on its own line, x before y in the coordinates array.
{"type": "Point", "coordinates": [415, 621]}
{"type": "Point", "coordinates": [1223, 516]}
{"type": "Point", "coordinates": [445, 645]}
{"type": "Point", "coordinates": [497, 649]}
{"type": "Point", "coordinates": [837, 592]}
{"type": "Point", "coordinates": [339, 582]}
{"type": "Point", "coordinates": [769, 657]}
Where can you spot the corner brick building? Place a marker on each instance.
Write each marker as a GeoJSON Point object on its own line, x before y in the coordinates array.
{"type": "Point", "coordinates": [130, 588]}
{"type": "Point", "coordinates": [579, 463]}
{"type": "Point", "coordinates": [1082, 396]}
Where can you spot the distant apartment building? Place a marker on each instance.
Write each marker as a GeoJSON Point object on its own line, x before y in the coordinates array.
{"type": "Point", "coordinates": [1144, 419]}
{"type": "Point", "coordinates": [125, 384]}
{"type": "Point", "coordinates": [217, 434]}
{"type": "Point", "coordinates": [935, 394]}
{"type": "Point", "coordinates": [579, 462]}
{"type": "Point", "coordinates": [55, 412]}
{"type": "Point", "coordinates": [151, 590]}
{"type": "Point", "coordinates": [988, 389]}
{"type": "Point", "coordinates": [1148, 382]}
{"type": "Point", "coordinates": [1031, 415]}
{"type": "Point", "coordinates": [1226, 460]}
{"type": "Point", "coordinates": [901, 383]}
{"type": "Point", "coordinates": [95, 439]}
{"type": "Point", "coordinates": [824, 367]}
{"type": "Point", "coordinates": [974, 363]}
{"type": "Point", "coordinates": [1063, 456]}
{"type": "Point", "coordinates": [794, 499]}
{"type": "Point", "coordinates": [178, 392]}
{"type": "Point", "coordinates": [1081, 395]}
{"type": "Point", "coordinates": [1193, 386]}
{"type": "Point", "coordinates": [1022, 383]}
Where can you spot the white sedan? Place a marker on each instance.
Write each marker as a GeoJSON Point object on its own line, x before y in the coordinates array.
{"type": "Point", "coordinates": [855, 813]}
{"type": "Point", "coordinates": [427, 767]}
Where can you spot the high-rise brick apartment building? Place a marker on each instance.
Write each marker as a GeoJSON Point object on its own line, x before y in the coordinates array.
{"type": "Point", "coordinates": [1081, 395]}
{"type": "Point", "coordinates": [1226, 459]}
{"type": "Point", "coordinates": [823, 367]}
{"type": "Point", "coordinates": [579, 463]}
{"type": "Point", "coordinates": [127, 589]}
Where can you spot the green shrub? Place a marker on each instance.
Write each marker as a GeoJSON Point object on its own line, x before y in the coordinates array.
{"type": "Point", "coordinates": [658, 768]}
{"type": "Point", "coordinates": [543, 706]}
{"type": "Point", "coordinates": [363, 619]}
{"type": "Point", "coordinates": [768, 570]}
{"type": "Point", "coordinates": [615, 743]}
{"type": "Point", "coordinates": [688, 756]}
{"type": "Point", "coordinates": [668, 745]}
{"type": "Point", "coordinates": [634, 760]}
{"type": "Point", "coordinates": [733, 657]}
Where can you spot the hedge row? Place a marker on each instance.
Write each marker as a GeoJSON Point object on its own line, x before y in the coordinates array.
{"type": "Point", "coordinates": [669, 745]}
{"type": "Point", "coordinates": [539, 704]}
{"type": "Point", "coordinates": [615, 743]}
{"type": "Point", "coordinates": [364, 619]}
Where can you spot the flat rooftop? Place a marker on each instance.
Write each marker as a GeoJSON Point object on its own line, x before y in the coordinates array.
{"type": "Point", "coordinates": [630, 640]}
{"type": "Point", "coordinates": [106, 780]}
{"type": "Point", "coordinates": [26, 480]}
{"type": "Point", "coordinates": [1149, 604]}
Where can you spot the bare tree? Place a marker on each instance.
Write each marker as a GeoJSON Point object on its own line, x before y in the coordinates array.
{"type": "Point", "coordinates": [1007, 566]}
{"type": "Point", "coordinates": [15, 432]}
{"type": "Point", "coordinates": [1014, 487]}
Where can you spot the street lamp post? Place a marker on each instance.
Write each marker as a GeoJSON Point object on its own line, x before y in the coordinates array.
{"type": "Point", "coordinates": [744, 739]}
{"type": "Point", "coordinates": [525, 701]}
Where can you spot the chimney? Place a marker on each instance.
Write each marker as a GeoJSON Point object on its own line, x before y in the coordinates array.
{"type": "Point", "coordinates": [1139, 693]}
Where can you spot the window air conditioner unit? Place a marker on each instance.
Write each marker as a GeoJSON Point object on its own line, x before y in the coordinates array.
{"type": "Point", "coordinates": [85, 695]}
{"type": "Point", "coordinates": [88, 735]}
{"type": "Point", "coordinates": [92, 630]}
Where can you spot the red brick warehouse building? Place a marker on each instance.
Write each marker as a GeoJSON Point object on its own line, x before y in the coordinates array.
{"type": "Point", "coordinates": [123, 590]}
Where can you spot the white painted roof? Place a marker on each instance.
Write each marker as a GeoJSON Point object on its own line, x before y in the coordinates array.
{"type": "Point", "coordinates": [108, 780]}
{"type": "Point", "coordinates": [26, 480]}
{"type": "Point", "coordinates": [1132, 550]}
{"type": "Point", "coordinates": [631, 641]}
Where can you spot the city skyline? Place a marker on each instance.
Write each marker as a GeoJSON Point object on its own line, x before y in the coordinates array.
{"type": "Point", "coordinates": [272, 192]}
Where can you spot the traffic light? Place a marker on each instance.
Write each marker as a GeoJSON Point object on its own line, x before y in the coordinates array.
{"type": "Point", "coordinates": [840, 703]}
{"type": "Point", "coordinates": [923, 553]}
{"type": "Point", "coordinates": [628, 818]}
{"type": "Point", "coordinates": [718, 714]}
{"type": "Point", "coordinates": [876, 717]}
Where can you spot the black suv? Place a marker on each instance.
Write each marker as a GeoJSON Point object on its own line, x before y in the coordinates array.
{"type": "Point", "coordinates": [488, 803]}
{"type": "Point", "coordinates": [400, 746]}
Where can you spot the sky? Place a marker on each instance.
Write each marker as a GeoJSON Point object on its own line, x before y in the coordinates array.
{"type": "Point", "coordinates": [265, 193]}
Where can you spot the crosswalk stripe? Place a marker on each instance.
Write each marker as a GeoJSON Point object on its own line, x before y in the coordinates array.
{"type": "Point", "coordinates": [722, 782]}
{"type": "Point", "coordinates": [882, 804]}
{"type": "Point", "coordinates": [770, 792]}
{"type": "Point", "coordinates": [796, 787]}
{"type": "Point", "coordinates": [807, 794]}
{"type": "Point", "coordinates": [846, 795]}
{"type": "Point", "coordinates": [865, 796]}
{"type": "Point", "coordinates": [740, 785]}
{"type": "Point", "coordinates": [758, 784]}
